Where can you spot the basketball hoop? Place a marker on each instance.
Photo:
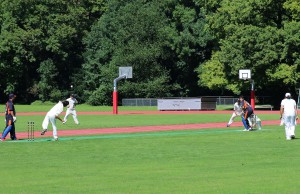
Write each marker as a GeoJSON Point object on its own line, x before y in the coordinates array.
{"type": "Point", "coordinates": [245, 74]}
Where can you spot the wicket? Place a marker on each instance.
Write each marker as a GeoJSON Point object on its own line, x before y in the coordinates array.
{"type": "Point", "coordinates": [30, 128]}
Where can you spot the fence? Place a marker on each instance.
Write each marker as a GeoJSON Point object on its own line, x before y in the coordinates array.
{"type": "Point", "coordinates": [221, 100]}
{"type": "Point", "coordinates": [227, 100]}
{"type": "Point", "coordinates": [139, 102]}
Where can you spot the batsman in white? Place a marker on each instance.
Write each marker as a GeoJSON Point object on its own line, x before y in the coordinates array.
{"type": "Point", "coordinates": [288, 111]}
{"type": "Point", "coordinates": [238, 111]}
{"type": "Point", "coordinates": [51, 116]}
{"type": "Point", "coordinates": [71, 109]}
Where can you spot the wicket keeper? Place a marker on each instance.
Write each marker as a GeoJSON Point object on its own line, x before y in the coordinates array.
{"type": "Point", "coordinates": [248, 111]}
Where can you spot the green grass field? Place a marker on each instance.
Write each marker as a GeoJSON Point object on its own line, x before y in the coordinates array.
{"type": "Point", "coordinates": [107, 121]}
{"type": "Point", "coordinates": [191, 161]}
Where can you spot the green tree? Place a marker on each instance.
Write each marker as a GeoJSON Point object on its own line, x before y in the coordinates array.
{"type": "Point", "coordinates": [163, 41]}
{"type": "Point", "coordinates": [190, 42]}
{"type": "Point", "coordinates": [212, 74]}
{"type": "Point", "coordinates": [33, 32]}
{"type": "Point", "coordinates": [48, 74]}
{"type": "Point", "coordinates": [288, 70]}
{"type": "Point", "coordinates": [257, 35]}
{"type": "Point", "coordinates": [293, 9]}
{"type": "Point", "coordinates": [128, 34]}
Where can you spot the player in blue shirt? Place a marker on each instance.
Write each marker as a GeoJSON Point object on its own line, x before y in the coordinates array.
{"type": "Point", "coordinates": [248, 111]}
{"type": "Point", "coordinates": [10, 117]}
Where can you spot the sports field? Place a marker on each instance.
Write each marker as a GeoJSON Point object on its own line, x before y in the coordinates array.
{"type": "Point", "coordinates": [197, 159]}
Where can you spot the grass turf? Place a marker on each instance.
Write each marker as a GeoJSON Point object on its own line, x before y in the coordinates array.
{"type": "Point", "coordinates": [197, 161]}
{"type": "Point", "coordinates": [108, 121]}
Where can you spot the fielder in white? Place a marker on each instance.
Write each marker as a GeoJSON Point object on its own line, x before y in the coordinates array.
{"type": "Point", "coordinates": [71, 109]}
{"type": "Point", "coordinates": [238, 111]}
{"type": "Point", "coordinates": [288, 111]}
{"type": "Point", "coordinates": [51, 116]}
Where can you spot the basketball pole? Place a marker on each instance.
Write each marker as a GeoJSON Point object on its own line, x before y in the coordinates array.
{"type": "Point", "coordinates": [252, 94]}
{"type": "Point", "coordinates": [115, 94]}
{"type": "Point", "coordinates": [124, 73]}
{"type": "Point", "coordinates": [115, 99]}
{"type": "Point", "coordinates": [115, 102]}
{"type": "Point", "coordinates": [245, 74]}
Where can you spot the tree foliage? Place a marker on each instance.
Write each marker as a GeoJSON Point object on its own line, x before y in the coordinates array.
{"type": "Point", "coordinates": [259, 35]}
{"type": "Point", "coordinates": [176, 47]}
{"type": "Point", "coordinates": [36, 32]}
{"type": "Point", "coordinates": [158, 45]}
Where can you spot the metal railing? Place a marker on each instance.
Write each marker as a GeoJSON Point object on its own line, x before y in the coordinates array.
{"type": "Point", "coordinates": [221, 100]}
{"type": "Point", "coordinates": [139, 102]}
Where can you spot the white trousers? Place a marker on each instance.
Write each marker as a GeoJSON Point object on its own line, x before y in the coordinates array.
{"type": "Point", "coordinates": [232, 118]}
{"type": "Point", "coordinates": [289, 123]}
{"type": "Point", "coordinates": [50, 118]}
{"type": "Point", "coordinates": [73, 113]}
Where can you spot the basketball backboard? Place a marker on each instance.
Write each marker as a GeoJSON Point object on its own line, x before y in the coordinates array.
{"type": "Point", "coordinates": [245, 74]}
{"type": "Point", "coordinates": [127, 71]}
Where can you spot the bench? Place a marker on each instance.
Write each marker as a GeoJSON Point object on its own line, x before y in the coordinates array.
{"type": "Point", "coordinates": [267, 106]}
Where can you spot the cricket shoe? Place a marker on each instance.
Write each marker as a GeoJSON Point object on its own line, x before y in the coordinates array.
{"type": "Point", "coordinates": [227, 125]}
{"type": "Point", "coordinates": [44, 131]}
{"type": "Point", "coordinates": [293, 137]}
{"type": "Point", "coordinates": [56, 139]}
